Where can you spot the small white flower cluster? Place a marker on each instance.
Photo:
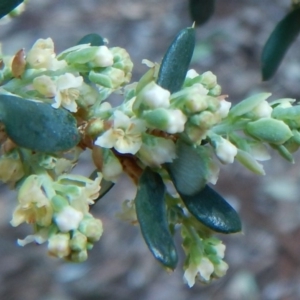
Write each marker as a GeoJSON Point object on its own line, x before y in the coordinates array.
{"type": "Point", "coordinates": [204, 261]}
{"type": "Point", "coordinates": [60, 79]}
{"type": "Point", "coordinates": [59, 212]}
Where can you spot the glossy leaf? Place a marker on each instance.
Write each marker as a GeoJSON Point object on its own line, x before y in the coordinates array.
{"type": "Point", "coordinates": [93, 39]}
{"type": "Point", "coordinates": [176, 61]}
{"type": "Point", "coordinates": [152, 216]}
{"type": "Point", "coordinates": [208, 207]}
{"type": "Point", "coordinates": [190, 170]}
{"type": "Point", "coordinates": [6, 6]}
{"type": "Point", "coordinates": [201, 10]}
{"type": "Point", "coordinates": [38, 126]}
{"type": "Point", "coordinates": [279, 42]}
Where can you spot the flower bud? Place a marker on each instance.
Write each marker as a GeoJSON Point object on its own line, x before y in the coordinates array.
{"type": "Point", "coordinates": [110, 77]}
{"type": "Point", "coordinates": [156, 151]}
{"type": "Point", "coordinates": [262, 110]}
{"type": "Point", "coordinates": [79, 256]}
{"type": "Point", "coordinates": [224, 149]}
{"type": "Point", "coordinates": [289, 115]}
{"type": "Point", "coordinates": [91, 228]}
{"type": "Point", "coordinates": [269, 130]}
{"type": "Point", "coordinates": [68, 219]}
{"type": "Point", "coordinates": [169, 120]}
{"type": "Point", "coordinates": [78, 241]}
{"type": "Point", "coordinates": [209, 80]}
{"type": "Point", "coordinates": [58, 245]}
{"type": "Point", "coordinates": [154, 96]}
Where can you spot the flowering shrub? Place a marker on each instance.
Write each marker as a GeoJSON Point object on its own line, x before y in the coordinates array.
{"type": "Point", "coordinates": [172, 132]}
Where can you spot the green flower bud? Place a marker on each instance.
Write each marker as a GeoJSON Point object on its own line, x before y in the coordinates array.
{"type": "Point", "coordinates": [209, 80]}
{"type": "Point", "coordinates": [110, 77]}
{"type": "Point", "coordinates": [79, 257]}
{"type": "Point", "coordinates": [81, 56]}
{"type": "Point", "coordinates": [269, 130]}
{"type": "Point", "coordinates": [169, 120]}
{"type": "Point", "coordinates": [92, 228]}
{"type": "Point", "coordinates": [78, 241]}
{"type": "Point", "coordinates": [249, 162]}
{"type": "Point", "coordinates": [289, 115]}
{"type": "Point", "coordinates": [122, 61]}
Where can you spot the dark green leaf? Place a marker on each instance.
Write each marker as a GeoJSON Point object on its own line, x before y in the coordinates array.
{"type": "Point", "coordinates": [152, 216]}
{"type": "Point", "coordinates": [176, 61]}
{"type": "Point", "coordinates": [93, 38]}
{"type": "Point", "coordinates": [6, 6]}
{"type": "Point", "coordinates": [190, 170]}
{"type": "Point", "coordinates": [208, 207]}
{"type": "Point", "coordinates": [38, 126]}
{"type": "Point", "coordinates": [279, 42]}
{"type": "Point", "coordinates": [201, 10]}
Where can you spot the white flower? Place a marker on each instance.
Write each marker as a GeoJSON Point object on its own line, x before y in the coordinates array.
{"type": "Point", "coordinates": [176, 121]}
{"type": "Point", "coordinates": [155, 96]}
{"type": "Point", "coordinates": [220, 250]}
{"type": "Point", "coordinates": [191, 74]}
{"type": "Point", "coordinates": [67, 91]}
{"type": "Point", "coordinates": [156, 151]}
{"type": "Point", "coordinates": [204, 269]}
{"type": "Point", "coordinates": [64, 89]}
{"type": "Point", "coordinates": [225, 151]}
{"type": "Point", "coordinates": [68, 219]}
{"type": "Point", "coordinates": [103, 57]}
{"type": "Point", "coordinates": [262, 110]}
{"type": "Point", "coordinates": [42, 56]}
{"type": "Point", "coordinates": [224, 108]}
{"type": "Point", "coordinates": [124, 135]}
{"type": "Point", "coordinates": [220, 269]}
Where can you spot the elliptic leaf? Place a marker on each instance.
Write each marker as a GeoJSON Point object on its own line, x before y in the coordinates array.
{"type": "Point", "coordinates": [6, 6]}
{"type": "Point", "coordinates": [93, 39]}
{"type": "Point", "coordinates": [201, 10]}
{"type": "Point", "coordinates": [176, 61]}
{"type": "Point", "coordinates": [279, 42]}
{"type": "Point", "coordinates": [208, 207]}
{"type": "Point", "coordinates": [190, 170]}
{"type": "Point", "coordinates": [38, 126]}
{"type": "Point", "coordinates": [152, 216]}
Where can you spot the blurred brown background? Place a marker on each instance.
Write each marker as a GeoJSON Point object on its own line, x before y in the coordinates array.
{"type": "Point", "coordinates": [264, 260]}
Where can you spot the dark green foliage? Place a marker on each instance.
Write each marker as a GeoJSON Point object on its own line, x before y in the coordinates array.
{"type": "Point", "coordinates": [176, 61]}
{"type": "Point", "coordinates": [208, 207]}
{"type": "Point", "coordinates": [201, 10]}
{"type": "Point", "coordinates": [279, 42]}
{"type": "Point", "coordinates": [188, 171]}
{"type": "Point", "coordinates": [6, 6]}
{"type": "Point", "coordinates": [93, 38]}
{"type": "Point", "coordinates": [152, 216]}
{"type": "Point", "coordinates": [38, 126]}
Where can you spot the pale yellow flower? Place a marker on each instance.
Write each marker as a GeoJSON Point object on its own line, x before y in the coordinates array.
{"type": "Point", "coordinates": [124, 135]}
{"type": "Point", "coordinates": [64, 89]}
{"type": "Point", "coordinates": [34, 206]}
{"type": "Point", "coordinates": [42, 56]}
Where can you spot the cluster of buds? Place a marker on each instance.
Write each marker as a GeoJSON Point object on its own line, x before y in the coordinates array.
{"type": "Point", "coordinates": [204, 257]}
{"type": "Point", "coordinates": [59, 212]}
